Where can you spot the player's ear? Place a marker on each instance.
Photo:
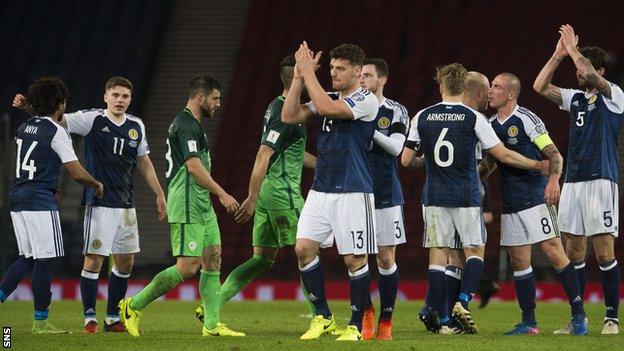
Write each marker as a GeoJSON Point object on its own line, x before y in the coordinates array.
{"type": "Point", "coordinates": [383, 80]}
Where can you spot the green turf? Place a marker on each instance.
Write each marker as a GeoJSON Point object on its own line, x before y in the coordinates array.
{"type": "Point", "coordinates": [277, 326]}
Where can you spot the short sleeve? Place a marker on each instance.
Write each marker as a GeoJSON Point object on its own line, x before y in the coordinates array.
{"type": "Point", "coordinates": [566, 98]}
{"type": "Point", "coordinates": [413, 138]}
{"type": "Point", "coordinates": [363, 105]}
{"type": "Point", "coordinates": [533, 125]}
{"type": "Point", "coordinates": [62, 145]}
{"type": "Point", "coordinates": [312, 107]}
{"type": "Point", "coordinates": [616, 103]}
{"type": "Point", "coordinates": [485, 132]}
{"type": "Point", "coordinates": [189, 137]}
{"type": "Point", "coordinates": [143, 148]}
{"type": "Point", "coordinates": [400, 121]}
{"type": "Point", "coordinates": [276, 133]}
{"type": "Point", "coordinates": [80, 122]}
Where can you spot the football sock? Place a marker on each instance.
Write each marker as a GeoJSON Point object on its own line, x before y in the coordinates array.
{"type": "Point", "coordinates": [88, 292]}
{"type": "Point", "coordinates": [117, 286]}
{"type": "Point", "coordinates": [41, 281]}
{"type": "Point", "coordinates": [610, 278]}
{"type": "Point", "coordinates": [210, 288]}
{"type": "Point", "coordinates": [162, 282]}
{"type": "Point", "coordinates": [524, 282]}
{"type": "Point", "coordinates": [437, 288]}
{"type": "Point", "coordinates": [453, 286]}
{"type": "Point", "coordinates": [306, 296]}
{"type": "Point", "coordinates": [242, 275]}
{"type": "Point", "coordinates": [470, 279]}
{"type": "Point", "coordinates": [313, 279]}
{"type": "Point", "coordinates": [581, 273]}
{"type": "Point", "coordinates": [388, 289]}
{"type": "Point", "coordinates": [14, 275]}
{"type": "Point", "coordinates": [568, 276]}
{"type": "Point", "coordinates": [359, 284]}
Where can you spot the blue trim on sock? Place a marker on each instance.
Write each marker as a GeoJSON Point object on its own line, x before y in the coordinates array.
{"type": "Point", "coordinates": [464, 297]}
{"type": "Point", "coordinates": [3, 296]}
{"type": "Point", "coordinates": [444, 319]}
{"type": "Point", "coordinates": [41, 315]}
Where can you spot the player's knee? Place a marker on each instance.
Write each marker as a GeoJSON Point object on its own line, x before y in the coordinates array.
{"type": "Point", "coordinates": [188, 269]}
{"type": "Point", "coordinates": [604, 256]}
{"type": "Point", "coordinates": [125, 265]}
{"type": "Point", "coordinates": [213, 260]}
{"type": "Point", "coordinates": [304, 252]}
{"type": "Point", "coordinates": [385, 261]}
{"type": "Point", "coordinates": [93, 263]}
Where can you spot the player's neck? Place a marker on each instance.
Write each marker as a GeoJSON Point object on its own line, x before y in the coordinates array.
{"type": "Point", "coordinates": [452, 98]}
{"type": "Point", "coordinates": [506, 111]}
{"type": "Point", "coordinates": [380, 96]}
{"type": "Point", "coordinates": [349, 90]}
{"type": "Point", "coordinates": [118, 119]}
{"type": "Point", "coordinates": [195, 111]}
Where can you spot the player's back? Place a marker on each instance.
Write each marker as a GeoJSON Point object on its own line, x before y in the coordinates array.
{"type": "Point", "coordinates": [37, 166]}
{"type": "Point", "coordinates": [594, 127]}
{"type": "Point", "coordinates": [448, 140]}
{"type": "Point", "coordinates": [342, 163]}
{"type": "Point", "coordinates": [391, 118]}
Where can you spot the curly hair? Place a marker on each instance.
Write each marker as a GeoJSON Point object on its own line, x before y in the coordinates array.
{"type": "Point", "coordinates": [350, 52]}
{"type": "Point", "coordinates": [452, 77]}
{"type": "Point", "coordinates": [46, 94]}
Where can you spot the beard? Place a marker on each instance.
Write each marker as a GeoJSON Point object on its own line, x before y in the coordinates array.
{"type": "Point", "coordinates": [207, 112]}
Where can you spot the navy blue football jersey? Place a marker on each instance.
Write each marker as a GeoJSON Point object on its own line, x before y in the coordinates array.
{"type": "Point", "coordinates": [42, 146]}
{"type": "Point", "coordinates": [391, 118]}
{"type": "Point", "coordinates": [343, 145]}
{"type": "Point", "coordinates": [111, 154]}
{"type": "Point", "coordinates": [447, 133]}
{"type": "Point", "coordinates": [520, 188]}
{"type": "Point", "coordinates": [595, 122]}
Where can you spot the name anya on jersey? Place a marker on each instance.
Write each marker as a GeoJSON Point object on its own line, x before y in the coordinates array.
{"type": "Point", "coordinates": [446, 117]}
{"type": "Point", "coordinates": [31, 129]}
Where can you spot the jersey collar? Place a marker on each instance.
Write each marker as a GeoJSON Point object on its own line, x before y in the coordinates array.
{"type": "Point", "coordinates": [513, 112]}
{"type": "Point", "coordinates": [125, 118]}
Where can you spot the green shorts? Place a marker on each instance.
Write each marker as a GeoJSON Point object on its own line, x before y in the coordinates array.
{"type": "Point", "coordinates": [275, 228]}
{"type": "Point", "coordinates": [190, 239]}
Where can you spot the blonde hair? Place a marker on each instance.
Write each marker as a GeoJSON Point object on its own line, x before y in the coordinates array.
{"type": "Point", "coordinates": [452, 77]}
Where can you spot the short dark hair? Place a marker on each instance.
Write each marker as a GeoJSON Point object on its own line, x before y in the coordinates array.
{"type": "Point", "coordinates": [381, 66]}
{"type": "Point", "coordinates": [46, 94]}
{"type": "Point", "coordinates": [286, 70]}
{"type": "Point", "coordinates": [118, 81]}
{"type": "Point", "coordinates": [453, 77]}
{"type": "Point", "coordinates": [202, 84]}
{"type": "Point", "coordinates": [350, 52]}
{"type": "Point", "coordinates": [597, 57]}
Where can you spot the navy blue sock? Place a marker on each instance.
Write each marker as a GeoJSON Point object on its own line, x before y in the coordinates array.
{"type": "Point", "coordinates": [610, 277]}
{"type": "Point", "coordinates": [359, 284]}
{"type": "Point", "coordinates": [581, 274]}
{"type": "Point", "coordinates": [88, 292]}
{"type": "Point", "coordinates": [568, 276]}
{"type": "Point", "coordinates": [453, 285]}
{"type": "Point", "coordinates": [14, 276]}
{"type": "Point", "coordinates": [117, 286]}
{"type": "Point", "coordinates": [313, 279]}
{"type": "Point", "coordinates": [41, 281]}
{"type": "Point", "coordinates": [524, 282]}
{"type": "Point", "coordinates": [388, 289]}
{"type": "Point", "coordinates": [470, 279]}
{"type": "Point", "coordinates": [437, 287]}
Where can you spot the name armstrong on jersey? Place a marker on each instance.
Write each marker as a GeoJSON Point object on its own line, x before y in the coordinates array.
{"type": "Point", "coordinates": [442, 117]}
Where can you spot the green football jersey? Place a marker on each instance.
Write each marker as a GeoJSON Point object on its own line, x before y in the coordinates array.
{"type": "Point", "coordinates": [281, 188]}
{"type": "Point", "coordinates": [187, 201]}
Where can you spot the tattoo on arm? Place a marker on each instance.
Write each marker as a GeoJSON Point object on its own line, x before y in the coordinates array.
{"type": "Point", "coordinates": [554, 95]}
{"type": "Point", "coordinates": [556, 161]}
{"type": "Point", "coordinates": [592, 77]}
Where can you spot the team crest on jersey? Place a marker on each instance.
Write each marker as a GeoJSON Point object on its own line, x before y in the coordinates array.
{"type": "Point", "coordinates": [192, 245]}
{"type": "Point", "coordinates": [384, 122]}
{"type": "Point", "coordinates": [357, 96]}
{"type": "Point", "coordinates": [96, 244]}
{"type": "Point", "coordinates": [512, 131]}
{"type": "Point", "coordinates": [592, 99]}
{"type": "Point", "coordinates": [133, 134]}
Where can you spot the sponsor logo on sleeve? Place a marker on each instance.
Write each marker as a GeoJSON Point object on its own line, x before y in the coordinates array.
{"type": "Point", "coordinates": [273, 136]}
{"type": "Point", "coordinates": [192, 145]}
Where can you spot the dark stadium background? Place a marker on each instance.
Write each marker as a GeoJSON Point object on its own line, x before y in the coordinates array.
{"type": "Point", "coordinates": [160, 45]}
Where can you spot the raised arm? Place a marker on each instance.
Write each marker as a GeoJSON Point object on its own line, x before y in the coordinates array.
{"type": "Point", "coordinates": [201, 175]}
{"type": "Point", "coordinates": [293, 112]}
{"type": "Point", "coordinates": [247, 208]}
{"type": "Point", "coordinates": [146, 168]}
{"type": "Point", "coordinates": [584, 67]}
{"type": "Point", "coordinates": [20, 102]}
{"type": "Point", "coordinates": [542, 84]}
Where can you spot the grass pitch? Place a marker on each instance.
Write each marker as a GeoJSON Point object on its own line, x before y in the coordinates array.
{"type": "Point", "coordinates": [277, 326]}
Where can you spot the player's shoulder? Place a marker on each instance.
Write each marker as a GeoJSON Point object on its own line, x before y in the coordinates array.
{"type": "Point", "coordinates": [492, 117]}
{"type": "Point", "coordinates": [136, 120]}
{"type": "Point", "coordinates": [394, 105]}
{"type": "Point", "coordinates": [93, 112]}
{"type": "Point", "coordinates": [527, 116]}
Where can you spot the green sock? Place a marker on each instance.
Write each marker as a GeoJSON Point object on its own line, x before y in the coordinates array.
{"type": "Point", "coordinates": [162, 282]}
{"type": "Point", "coordinates": [210, 290]}
{"type": "Point", "coordinates": [242, 275]}
{"type": "Point", "coordinates": [307, 299]}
